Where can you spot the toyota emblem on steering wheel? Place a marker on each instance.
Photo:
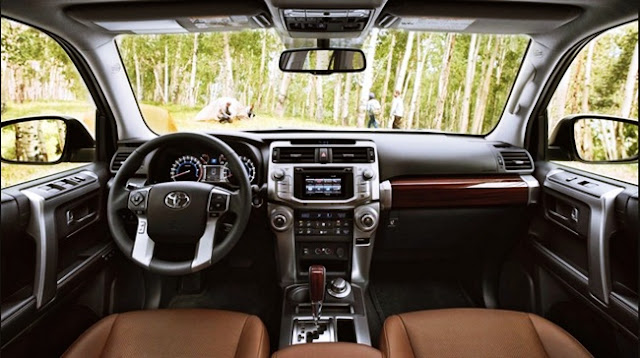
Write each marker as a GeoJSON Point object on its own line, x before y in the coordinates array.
{"type": "Point", "coordinates": [177, 200]}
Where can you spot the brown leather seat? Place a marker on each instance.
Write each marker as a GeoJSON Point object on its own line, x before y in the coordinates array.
{"type": "Point", "coordinates": [174, 333]}
{"type": "Point", "coordinates": [475, 333]}
{"type": "Point", "coordinates": [328, 350]}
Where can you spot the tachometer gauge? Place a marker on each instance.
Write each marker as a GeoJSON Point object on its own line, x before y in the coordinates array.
{"type": "Point", "coordinates": [186, 168]}
{"type": "Point", "coordinates": [249, 167]}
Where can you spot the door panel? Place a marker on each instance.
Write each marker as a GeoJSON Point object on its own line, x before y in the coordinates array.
{"type": "Point", "coordinates": [583, 240]}
{"type": "Point", "coordinates": [57, 245]}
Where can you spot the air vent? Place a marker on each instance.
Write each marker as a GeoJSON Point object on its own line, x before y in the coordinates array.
{"type": "Point", "coordinates": [294, 155]}
{"type": "Point", "coordinates": [353, 155]}
{"type": "Point", "coordinates": [516, 160]}
{"type": "Point", "coordinates": [118, 159]}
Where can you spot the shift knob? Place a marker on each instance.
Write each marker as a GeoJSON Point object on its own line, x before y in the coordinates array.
{"type": "Point", "coordinates": [317, 282]}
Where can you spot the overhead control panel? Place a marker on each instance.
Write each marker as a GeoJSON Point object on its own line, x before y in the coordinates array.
{"type": "Point", "coordinates": [342, 20]}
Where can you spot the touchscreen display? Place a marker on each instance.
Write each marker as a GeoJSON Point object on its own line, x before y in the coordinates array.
{"type": "Point", "coordinates": [323, 186]}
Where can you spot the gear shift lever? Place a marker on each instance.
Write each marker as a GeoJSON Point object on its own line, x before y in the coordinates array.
{"type": "Point", "coordinates": [317, 282]}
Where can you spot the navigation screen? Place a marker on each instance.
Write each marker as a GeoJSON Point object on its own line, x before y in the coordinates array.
{"type": "Point", "coordinates": [323, 186]}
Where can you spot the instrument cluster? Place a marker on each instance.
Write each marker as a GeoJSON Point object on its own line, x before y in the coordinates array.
{"type": "Point", "coordinates": [198, 165]}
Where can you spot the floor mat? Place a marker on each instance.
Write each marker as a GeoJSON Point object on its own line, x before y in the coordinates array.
{"type": "Point", "coordinates": [399, 288]}
{"type": "Point", "coordinates": [393, 297]}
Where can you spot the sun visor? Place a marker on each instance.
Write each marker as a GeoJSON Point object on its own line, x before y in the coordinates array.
{"type": "Point", "coordinates": [486, 17]}
{"type": "Point", "coordinates": [172, 17]}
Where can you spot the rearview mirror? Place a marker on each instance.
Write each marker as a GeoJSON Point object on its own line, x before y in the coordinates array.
{"type": "Point", "coordinates": [320, 61]}
{"type": "Point", "coordinates": [45, 140]}
{"type": "Point", "coordinates": [595, 139]}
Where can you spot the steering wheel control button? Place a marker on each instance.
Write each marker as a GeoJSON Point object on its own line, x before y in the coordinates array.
{"type": "Point", "coordinates": [218, 203]}
{"type": "Point", "coordinates": [137, 198]}
{"type": "Point", "coordinates": [142, 227]}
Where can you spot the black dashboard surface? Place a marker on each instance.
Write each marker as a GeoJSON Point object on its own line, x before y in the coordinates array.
{"type": "Point", "coordinates": [399, 154]}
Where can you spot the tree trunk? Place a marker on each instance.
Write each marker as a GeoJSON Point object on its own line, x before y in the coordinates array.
{"type": "Point", "coordinates": [322, 61]}
{"type": "Point", "coordinates": [194, 68]}
{"type": "Point", "coordinates": [345, 100]}
{"type": "Point", "coordinates": [417, 81]}
{"type": "Point", "coordinates": [560, 99]}
{"type": "Point", "coordinates": [136, 67]}
{"type": "Point", "coordinates": [227, 79]}
{"type": "Point", "coordinates": [468, 84]}
{"type": "Point", "coordinates": [387, 76]}
{"type": "Point", "coordinates": [367, 79]}
{"type": "Point", "coordinates": [443, 82]}
{"type": "Point", "coordinates": [337, 96]}
{"type": "Point", "coordinates": [165, 96]}
{"type": "Point", "coordinates": [632, 73]}
{"type": "Point", "coordinates": [263, 59]}
{"type": "Point", "coordinates": [483, 95]}
{"type": "Point", "coordinates": [282, 93]}
{"type": "Point", "coordinates": [405, 62]}
{"type": "Point", "coordinates": [587, 79]}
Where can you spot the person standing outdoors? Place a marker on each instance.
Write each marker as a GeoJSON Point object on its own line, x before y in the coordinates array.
{"type": "Point", "coordinates": [373, 109]}
{"type": "Point", "coordinates": [397, 111]}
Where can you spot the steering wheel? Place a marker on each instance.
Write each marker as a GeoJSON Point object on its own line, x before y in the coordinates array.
{"type": "Point", "coordinates": [178, 212]}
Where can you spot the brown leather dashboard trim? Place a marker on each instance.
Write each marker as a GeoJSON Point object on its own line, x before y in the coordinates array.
{"type": "Point", "coordinates": [429, 192]}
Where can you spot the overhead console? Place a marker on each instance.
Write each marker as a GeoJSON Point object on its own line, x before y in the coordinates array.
{"type": "Point", "coordinates": [325, 19]}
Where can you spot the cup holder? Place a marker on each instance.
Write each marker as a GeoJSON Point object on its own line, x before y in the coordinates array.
{"type": "Point", "coordinates": [299, 294]}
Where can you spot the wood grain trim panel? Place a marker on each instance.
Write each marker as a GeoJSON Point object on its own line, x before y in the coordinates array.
{"type": "Point", "coordinates": [430, 192]}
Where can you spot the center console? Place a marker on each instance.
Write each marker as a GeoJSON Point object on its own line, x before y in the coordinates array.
{"type": "Point", "coordinates": [324, 209]}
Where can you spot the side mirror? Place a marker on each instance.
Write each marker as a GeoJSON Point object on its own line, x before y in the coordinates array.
{"type": "Point", "coordinates": [594, 139]}
{"type": "Point", "coordinates": [45, 140]}
{"type": "Point", "coordinates": [323, 61]}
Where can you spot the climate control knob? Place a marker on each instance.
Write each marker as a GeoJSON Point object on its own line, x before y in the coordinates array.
{"type": "Point", "coordinates": [368, 221]}
{"type": "Point", "coordinates": [367, 174]}
{"type": "Point", "coordinates": [279, 221]}
{"type": "Point", "coordinates": [278, 174]}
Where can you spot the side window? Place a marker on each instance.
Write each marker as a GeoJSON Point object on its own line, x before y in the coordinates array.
{"type": "Point", "coordinates": [38, 79]}
{"type": "Point", "coordinates": [602, 80]}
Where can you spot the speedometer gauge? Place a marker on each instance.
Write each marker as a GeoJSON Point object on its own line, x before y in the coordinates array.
{"type": "Point", "coordinates": [186, 168]}
{"type": "Point", "coordinates": [249, 167]}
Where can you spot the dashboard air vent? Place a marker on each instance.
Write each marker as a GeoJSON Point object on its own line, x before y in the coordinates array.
{"type": "Point", "coordinates": [353, 155]}
{"type": "Point", "coordinates": [118, 159]}
{"type": "Point", "coordinates": [516, 160]}
{"type": "Point", "coordinates": [294, 155]}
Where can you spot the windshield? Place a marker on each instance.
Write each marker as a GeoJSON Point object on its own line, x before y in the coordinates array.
{"type": "Point", "coordinates": [446, 82]}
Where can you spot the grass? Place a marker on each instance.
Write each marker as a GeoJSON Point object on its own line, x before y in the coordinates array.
{"type": "Point", "coordinates": [183, 117]}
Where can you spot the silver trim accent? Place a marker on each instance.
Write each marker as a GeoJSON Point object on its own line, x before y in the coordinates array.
{"type": "Point", "coordinates": [335, 294]}
{"type": "Point", "coordinates": [285, 194]}
{"type": "Point", "coordinates": [143, 246]}
{"type": "Point", "coordinates": [386, 195]}
{"type": "Point", "coordinates": [204, 248]}
{"type": "Point", "coordinates": [44, 240]}
{"type": "Point", "coordinates": [534, 188]}
{"type": "Point", "coordinates": [362, 254]}
{"type": "Point", "coordinates": [601, 226]}
{"type": "Point", "coordinates": [285, 246]}
{"type": "Point", "coordinates": [42, 227]}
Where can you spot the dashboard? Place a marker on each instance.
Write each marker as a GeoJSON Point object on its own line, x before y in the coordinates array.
{"type": "Point", "coordinates": [194, 163]}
